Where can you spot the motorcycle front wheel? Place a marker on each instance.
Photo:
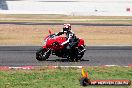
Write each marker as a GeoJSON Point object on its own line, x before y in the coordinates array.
{"type": "Point", "coordinates": [42, 54]}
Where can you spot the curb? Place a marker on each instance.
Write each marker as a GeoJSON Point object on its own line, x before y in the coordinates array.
{"type": "Point", "coordinates": [5, 68]}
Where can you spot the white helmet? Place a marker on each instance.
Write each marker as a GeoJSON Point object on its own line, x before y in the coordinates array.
{"type": "Point", "coordinates": [66, 27]}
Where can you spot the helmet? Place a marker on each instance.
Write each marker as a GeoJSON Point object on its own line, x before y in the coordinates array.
{"type": "Point", "coordinates": [66, 27]}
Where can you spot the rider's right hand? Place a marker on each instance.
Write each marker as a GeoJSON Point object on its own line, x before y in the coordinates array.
{"type": "Point", "coordinates": [56, 34]}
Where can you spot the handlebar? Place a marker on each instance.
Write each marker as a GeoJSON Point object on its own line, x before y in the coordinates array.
{"type": "Point", "coordinates": [52, 35]}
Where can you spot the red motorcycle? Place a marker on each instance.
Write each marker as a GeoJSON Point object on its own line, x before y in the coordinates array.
{"type": "Point", "coordinates": [53, 46]}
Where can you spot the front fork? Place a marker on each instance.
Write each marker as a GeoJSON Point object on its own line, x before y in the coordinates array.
{"type": "Point", "coordinates": [48, 52]}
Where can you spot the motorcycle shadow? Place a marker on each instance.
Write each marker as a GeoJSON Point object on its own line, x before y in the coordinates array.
{"type": "Point", "coordinates": [59, 60]}
{"type": "Point", "coordinates": [65, 60]}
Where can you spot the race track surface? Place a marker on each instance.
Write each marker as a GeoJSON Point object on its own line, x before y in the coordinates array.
{"type": "Point", "coordinates": [94, 56]}
{"type": "Point", "coordinates": [53, 23]}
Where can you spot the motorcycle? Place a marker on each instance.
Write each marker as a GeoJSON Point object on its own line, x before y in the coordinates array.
{"type": "Point", "coordinates": [53, 46]}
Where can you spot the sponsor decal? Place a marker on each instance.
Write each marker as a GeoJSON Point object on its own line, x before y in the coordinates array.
{"type": "Point", "coordinates": [85, 81]}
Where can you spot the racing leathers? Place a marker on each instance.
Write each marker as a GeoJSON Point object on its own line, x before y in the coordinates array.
{"type": "Point", "coordinates": [71, 39]}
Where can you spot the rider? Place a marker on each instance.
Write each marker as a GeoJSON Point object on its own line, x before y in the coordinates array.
{"type": "Point", "coordinates": [71, 39]}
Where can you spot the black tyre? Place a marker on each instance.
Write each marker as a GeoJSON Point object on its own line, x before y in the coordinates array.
{"type": "Point", "coordinates": [75, 56]}
{"type": "Point", "coordinates": [42, 54]}
{"type": "Point", "coordinates": [79, 55]}
{"type": "Point", "coordinates": [71, 59]}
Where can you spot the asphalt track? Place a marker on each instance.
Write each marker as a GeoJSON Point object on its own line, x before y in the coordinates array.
{"type": "Point", "coordinates": [53, 23]}
{"type": "Point", "coordinates": [94, 56]}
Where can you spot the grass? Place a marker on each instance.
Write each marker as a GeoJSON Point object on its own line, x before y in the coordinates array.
{"type": "Point", "coordinates": [61, 77]}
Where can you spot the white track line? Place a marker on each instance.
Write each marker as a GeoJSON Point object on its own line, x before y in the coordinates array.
{"type": "Point", "coordinates": [54, 67]}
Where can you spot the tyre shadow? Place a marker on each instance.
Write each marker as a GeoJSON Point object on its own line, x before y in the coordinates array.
{"type": "Point", "coordinates": [65, 60]}
{"type": "Point", "coordinates": [59, 60]}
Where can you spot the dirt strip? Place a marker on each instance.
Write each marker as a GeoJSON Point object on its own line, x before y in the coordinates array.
{"type": "Point", "coordinates": [12, 34]}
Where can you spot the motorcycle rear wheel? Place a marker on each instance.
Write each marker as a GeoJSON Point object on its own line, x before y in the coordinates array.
{"type": "Point", "coordinates": [71, 59]}
{"type": "Point", "coordinates": [76, 56]}
{"type": "Point", "coordinates": [79, 55]}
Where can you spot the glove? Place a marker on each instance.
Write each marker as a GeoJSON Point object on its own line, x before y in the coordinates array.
{"type": "Point", "coordinates": [63, 43]}
{"type": "Point", "coordinates": [56, 34]}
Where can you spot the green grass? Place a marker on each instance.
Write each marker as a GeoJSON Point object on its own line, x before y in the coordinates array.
{"type": "Point", "coordinates": [61, 77]}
